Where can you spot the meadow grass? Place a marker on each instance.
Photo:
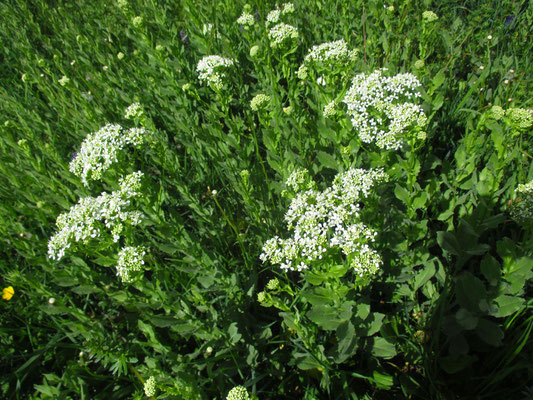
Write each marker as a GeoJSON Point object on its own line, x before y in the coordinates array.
{"type": "Point", "coordinates": [267, 218]}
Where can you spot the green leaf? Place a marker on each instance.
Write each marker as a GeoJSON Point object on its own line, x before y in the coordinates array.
{"type": "Point", "coordinates": [448, 242]}
{"type": "Point", "coordinates": [328, 317]}
{"type": "Point", "coordinates": [327, 160]}
{"type": "Point", "coordinates": [163, 321]}
{"type": "Point", "coordinates": [451, 365]}
{"type": "Point", "coordinates": [375, 323]}
{"type": "Point", "coordinates": [233, 331]}
{"type": "Point", "coordinates": [66, 281]}
{"type": "Point", "coordinates": [382, 348]}
{"type": "Point", "coordinates": [424, 275]}
{"type": "Point", "coordinates": [489, 332]}
{"type": "Point", "coordinates": [491, 269]}
{"type": "Point", "coordinates": [402, 194]}
{"type": "Point", "coordinates": [466, 319]}
{"type": "Point", "coordinates": [437, 81]}
{"type": "Point", "coordinates": [383, 381]}
{"type": "Point", "coordinates": [86, 289]}
{"type": "Point", "coordinates": [469, 291]}
{"type": "Point", "coordinates": [363, 310]}
{"type": "Point", "coordinates": [507, 305]}
{"type": "Point", "coordinates": [347, 342]}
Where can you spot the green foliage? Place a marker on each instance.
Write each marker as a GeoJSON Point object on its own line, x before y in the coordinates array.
{"type": "Point", "coordinates": [448, 312]}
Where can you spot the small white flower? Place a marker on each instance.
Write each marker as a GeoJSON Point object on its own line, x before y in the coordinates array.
{"type": "Point", "coordinates": [211, 69]}
{"type": "Point", "coordinates": [281, 33]}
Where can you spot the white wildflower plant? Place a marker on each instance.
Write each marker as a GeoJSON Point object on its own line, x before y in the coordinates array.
{"type": "Point", "coordinates": [239, 393]}
{"type": "Point", "coordinates": [522, 208]}
{"type": "Point", "coordinates": [287, 8]}
{"type": "Point", "coordinates": [130, 263]}
{"type": "Point", "coordinates": [93, 217]}
{"type": "Point", "coordinates": [150, 388]}
{"type": "Point", "coordinates": [383, 111]}
{"type": "Point", "coordinates": [273, 17]}
{"type": "Point", "coordinates": [282, 34]}
{"type": "Point", "coordinates": [328, 223]}
{"type": "Point", "coordinates": [134, 111]}
{"type": "Point", "coordinates": [259, 102]}
{"type": "Point", "coordinates": [246, 19]}
{"type": "Point", "coordinates": [212, 70]}
{"type": "Point", "coordinates": [330, 57]}
{"type": "Point", "coordinates": [101, 149]}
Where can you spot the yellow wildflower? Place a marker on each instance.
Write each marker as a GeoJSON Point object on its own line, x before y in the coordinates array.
{"type": "Point", "coordinates": [8, 292]}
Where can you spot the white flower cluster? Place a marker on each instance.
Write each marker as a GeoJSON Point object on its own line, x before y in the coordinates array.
{"type": "Point", "coordinates": [134, 111]}
{"type": "Point", "coordinates": [429, 16]}
{"type": "Point", "coordinates": [87, 219]}
{"type": "Point", "coordinates": [246, 19]}
{"type": "Point", "coordinates": [328, 220]}
{"type": "Point", "coordinates": [288, 8]}
{"type": "Point", "coordinates": [211, 70]}
{"type": "Point", "coordinates": [520, 117]}
{"type": "Point", "coordinates": [381, 110]}
{"type": "Point", "coordinates": [329, 109]}
{"type": "Point", "coordinates": [300, 180]}
{"type": "Point", "coordinates": [281, 33]}
{"type": "Point", "coordinates": [259, 101]}
{"type": "Point", "coordinates": [100, 150]}
{"type": "Point", "coordinates": [149, 387]}
{"type": "Point", "coordinates": [207, 28]}
{"type": "Point", "coordinates": [331, 53]}
{"type": "Point", "coordinates": [238, 393]}
{"type": "Point", "coordinates": [273, 17]}
{"type": "Point", "coordinates": [130, 260]}
{"type": "Point", "coordinates": [522, 209]}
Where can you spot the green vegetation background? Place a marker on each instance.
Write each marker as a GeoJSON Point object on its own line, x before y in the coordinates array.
{"type": "Point", "coordinates": [450, 315]}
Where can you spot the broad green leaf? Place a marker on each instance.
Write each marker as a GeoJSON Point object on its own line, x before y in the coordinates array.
{"type": "Point", "coordinates": [491, 269]}
{"type": "Point", "coordinates": [402, 194]}
{"type": "Point", "coordinates": [163, 321]}
{"type": "Point", "coordinates": [347, 342]}
{"type": "Point", "coordinates": [466, 319]}
{"type": "Point", "coordinates": [489, 332]}
{"type": "Point", "coordinates": [448, 242]}
{"type": "Point", "coordinates": [328, 317]}
{"type": "Point", "coordinates": [507, 305]}
{"type": "Point", "coordinates": [452, 365]}
{"type": "Point", "coordinates": [469, 291]}
{"type": "Point", "coordinates": [424, 275]}
{"type": "Point", "coordinates": [383, 381]}
{"type": "Point", "coordinates": [376, 321]}
{"type": "Point", "coordinates": [382, 348]}
{"type": "Point", "coordinates": [327, 160]}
